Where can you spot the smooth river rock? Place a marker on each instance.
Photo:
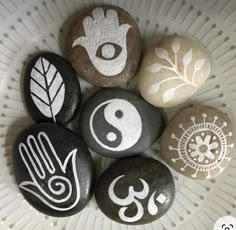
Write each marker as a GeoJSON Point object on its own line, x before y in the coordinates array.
{"type": "Point", "coordinates": [198, 142]}
{"type": "Point", "coordinates": [135, 191]}
{"type": "Point", "coordinates": [51, 89]}
{"type": "Point", "coordinates": [53, 169]}
{"type": "Point", "coordinates": [118, 123]}
{"type": "Point", "coordinates": [104, 45]}
{"type": "Point", "coordinates": [172, 71]}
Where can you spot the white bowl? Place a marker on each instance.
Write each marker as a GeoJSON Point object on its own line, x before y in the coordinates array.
{"type": "Point", "coordinates": [31, 26]}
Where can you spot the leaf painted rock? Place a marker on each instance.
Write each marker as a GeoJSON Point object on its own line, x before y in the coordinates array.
{"type": "Point", "coordinates": [104, 45]}
{"type": "Point", "coordinates": [117, 123]}
{"type": "Point", "coordinates": [136, 190]}
{"type": "Point", "coordinates": [53, 169]}
{"type": "Point", "coordinates": [172, 71]}
{"type": "Point", "coordinates": [51, 89]}
{"type": "Point", "coordinates": [198, 142]}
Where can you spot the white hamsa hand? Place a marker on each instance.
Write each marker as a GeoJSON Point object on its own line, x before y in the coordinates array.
{"type": "Point", "coordinates": [51, 182]}
{"type": "Point", "coordinates": [105, 41]}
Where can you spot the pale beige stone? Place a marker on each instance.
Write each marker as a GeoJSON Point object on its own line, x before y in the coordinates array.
{"type": "Point", "coordinates": [198, 142]}
{"type": "Point", "coordinates": [172, 71]}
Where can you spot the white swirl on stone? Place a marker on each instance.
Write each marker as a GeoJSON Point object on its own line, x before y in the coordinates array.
{"type": "Point", "coordinates": [130, 124]}
{"type": "Point", "coordinates": [46, 170]}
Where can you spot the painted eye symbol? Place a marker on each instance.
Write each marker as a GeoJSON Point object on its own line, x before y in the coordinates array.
{"type": "Point", "coordinates": [227, 228]}
{"type": "Point", "coordinates": [108, 51]}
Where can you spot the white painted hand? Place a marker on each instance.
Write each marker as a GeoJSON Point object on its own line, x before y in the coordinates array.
{"type": "Point", "coordinates": [50, 183]}
{"type": "Point", "coordinates": [104, 37]}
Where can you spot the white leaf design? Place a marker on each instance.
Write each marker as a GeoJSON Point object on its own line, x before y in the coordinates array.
{"type": "Point", "coordinates": [188, 57]}
{"type": "Point", "coordinates": [161, 53]}
{"type": "Point", "coordinates": [168, 95]}
{"type": "Point", "coordinates": [199, 64]}
{"type": "Point", "coordinates": [153, 89]}
{"type": "Point", "coordinates": [47, 88]}
{"type": "Point", "coordinates": [154, 68]}
{"type": "Point", "coordinates": [175, 45]}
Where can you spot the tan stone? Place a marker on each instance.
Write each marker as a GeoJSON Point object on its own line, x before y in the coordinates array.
{"type": "Point", "coordinates": [172, 71]}
{"type": "Point", "coordinates": [198, 142]}
{"type": "Point", "coordinates": [104, 46]}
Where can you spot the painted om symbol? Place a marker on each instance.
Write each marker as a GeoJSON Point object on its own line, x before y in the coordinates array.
{"type": "Point", "coordinates": [133, 197]}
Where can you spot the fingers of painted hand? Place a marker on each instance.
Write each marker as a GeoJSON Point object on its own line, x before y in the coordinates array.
{"type": "Point", "coordinates": [87, 24]}
{"type": "Point", "coordinates": [83, 41]}
{"type": "Point", "coordinates": [47, 152]}
{"type": "Point", "coordinates": [112, 16]}
{"type": "Point", "coordinates": [32, 163]}
{"type": "Point", "coordinates": [98, 14]}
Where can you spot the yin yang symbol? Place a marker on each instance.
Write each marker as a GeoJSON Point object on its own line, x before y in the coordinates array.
{"type": "Point", "coordinates": [116, 125]}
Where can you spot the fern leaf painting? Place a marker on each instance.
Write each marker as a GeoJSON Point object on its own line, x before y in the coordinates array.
{"type": "Point", "coordinates": [47, 88]}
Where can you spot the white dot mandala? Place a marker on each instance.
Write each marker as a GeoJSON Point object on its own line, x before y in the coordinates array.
{"type": "Point", "coordinates": [202, 147]}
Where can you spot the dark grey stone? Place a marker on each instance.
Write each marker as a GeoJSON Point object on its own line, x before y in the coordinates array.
{"type": "Point", "coordinates": [117, 123]}
{"type": "Point", "coordinates": [53, 169]}
{"type": "Point", "coordinates": [51, 89]}
{"type": "Point", "coordinates": [135, 191]}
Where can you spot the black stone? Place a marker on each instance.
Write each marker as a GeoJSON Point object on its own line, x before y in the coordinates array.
{"type": "Point", "coordinates": [126, 180]}
{"type": "Point", "coordinates": [51, 89]}
{"type": "Point", "coordinates": [117, 123]}
{"type": "Point", "coordinates": [67, 158]}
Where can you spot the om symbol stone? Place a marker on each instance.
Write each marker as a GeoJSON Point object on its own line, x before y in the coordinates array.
{"type": "Point", "coordinates": [135, 191]}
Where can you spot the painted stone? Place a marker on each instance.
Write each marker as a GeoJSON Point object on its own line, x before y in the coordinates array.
{"type": "Point", "coordinates": [117, 123]}
{"type": "Point", "coordinates": [104, 46]}
{"type": "Point", "coordinates": [53, 169]}
{"type": "Point", "coordinates": [51, 89]}
{"type": "Point", "coordinates": [172, 71]}
{"type": "Point", "coordinates": [135, 191]}
{"type": "Point", "coordinates": [198, 142]}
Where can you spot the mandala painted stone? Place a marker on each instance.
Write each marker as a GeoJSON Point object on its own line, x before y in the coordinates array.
{"type": "Point", "coordinates": [118, 123]}
{"type": "Point", "coordinates": [104, 45]}
{"type": "Point", "coordinates": [198, 142]}
{"type": "Point", "coordinates": [172, 71]}
{"type": "Point", "coordinates": [135, 191]}
{"type": "Point", "coordinates": [53, 169]}
{"type": "Point", "coordinates": [51, 89]}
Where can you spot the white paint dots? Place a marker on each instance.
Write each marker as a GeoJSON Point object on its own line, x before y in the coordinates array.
{"type": "Point", "coordinates": [161, 198]}
{"type": "Point", "coordinates": [202, 134]}
{"type": "Point", "coordinates": [111, 136]}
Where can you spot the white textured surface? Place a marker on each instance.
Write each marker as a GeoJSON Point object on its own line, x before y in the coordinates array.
{"type": "Point", "coordinates": [30, 26]}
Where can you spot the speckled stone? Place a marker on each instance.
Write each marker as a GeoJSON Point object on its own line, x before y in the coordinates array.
{"type": "Point", "coordinates": [172, 71]}
{"type": "Point", "coordinates": [104, 45]}
{"type": "Point", "coordinates": [198, 142]}
{"type": "Point", "coordinates": [135, 191]}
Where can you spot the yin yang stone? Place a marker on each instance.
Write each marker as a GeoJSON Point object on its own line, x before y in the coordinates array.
{"type": "Point", "coordinates": [134, 191]}
{"type": "Point", "coordinates": [173, 70]}
{"type": "Point", "coordinates": [104, 45]}
{"type": "Point", "coordinates": [51, 89]}
{"type": "Point", "coordinates": [53, 169]}
{"type": "Point", "coordinates": [117, 123]}
{"type": "Point", "coordinates": [198, 142]}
